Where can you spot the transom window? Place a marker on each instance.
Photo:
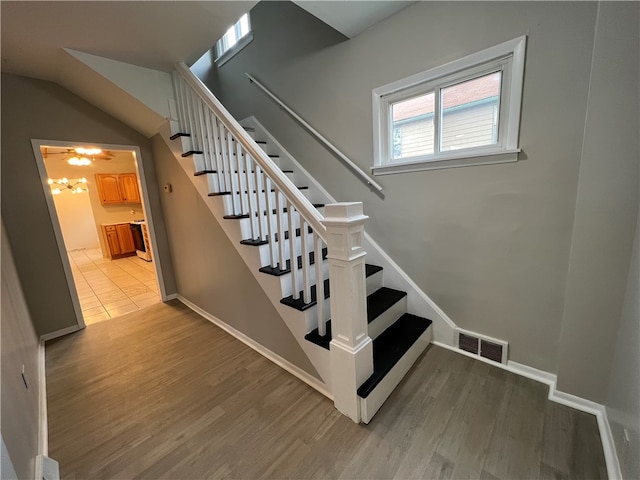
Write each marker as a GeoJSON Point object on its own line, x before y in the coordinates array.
{"type": "Point", "coordinates": [234, 40]}
{"type": "Point", "coordinates": [464, 113]}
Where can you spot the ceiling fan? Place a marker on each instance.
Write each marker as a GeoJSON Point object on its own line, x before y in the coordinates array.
{"type": "Point", "coordinates": [81, 156]}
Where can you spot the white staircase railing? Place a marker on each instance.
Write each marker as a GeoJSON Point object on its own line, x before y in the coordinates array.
{"type": "Point", "coordinates": [257, 187]}
{"type": "Point", "coordinates": [257, 190]}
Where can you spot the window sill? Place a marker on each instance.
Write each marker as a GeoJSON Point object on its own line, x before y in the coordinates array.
{"type": "Point", "coordinates": [229, 54]}
{"type": "Point", "coordinates": [449, 161]}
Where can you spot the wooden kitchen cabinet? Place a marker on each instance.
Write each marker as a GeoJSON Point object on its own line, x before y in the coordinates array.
{"type": "Point", "coordinates": [129, 187]}
{"type": "Point", "coordinates": [119, 240]}
{"type": "Point", "coordinates": [117, 188]}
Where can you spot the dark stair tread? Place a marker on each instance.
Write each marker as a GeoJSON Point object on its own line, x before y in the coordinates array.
{"type": "Point", "coordinates": [390, 346]}
{"type": "Point", "coordinates": [203, 172]}
{"type": "Point", "coordinates": [276, 272]}
{"type": "Point", "coordinates": [217, 194]}
{"type": "Point", "coordinates": [381, 300]}
{"type": "Point", "coordinates": [254, 242]}
{"type": "Point", "coordinates": [178, 135]}
{"type": "Point", "coordinates": [284, 210]}
{"type": "Point", "coordinates": [239, 216]}
{"type": "Point", "coordinates": [322, 341]}
{"type": "Point", "coordinates": [299, 304]}
{"type": "Point", "coordinates": [192, 152]}
{"type": "Point", "coordinates": [258, 242]}
{"type": "Point", "coordinates": [304, 187]}
{"type": "Point", "coordinates": [371, 269]}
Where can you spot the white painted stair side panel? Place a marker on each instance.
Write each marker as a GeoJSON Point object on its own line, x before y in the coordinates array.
{"type": "Point", "coordinates": [370, 405]}
{"type": "Point", "coordinates": [296, 321]}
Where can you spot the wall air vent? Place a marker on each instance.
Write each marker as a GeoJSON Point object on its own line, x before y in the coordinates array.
{"type": "Point", "coordinates": [483, 346]}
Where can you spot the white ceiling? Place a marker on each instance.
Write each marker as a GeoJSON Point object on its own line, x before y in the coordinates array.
{"type": "Point", "coordinates": [151, 34]}
{"type": "Point", "coordinates": [38, 39]}
{"type": "Point", "coordinates": [352, 17]}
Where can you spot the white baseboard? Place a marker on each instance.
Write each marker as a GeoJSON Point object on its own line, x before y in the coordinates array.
{"type": "Point", "coordinates": [573, 401]}
{"type": "Point", "coordinates": [294, 370]}
{"type": "Point", "coordinates": [60, 333]}
{"type": "Point", "coordinates": [171, 296]}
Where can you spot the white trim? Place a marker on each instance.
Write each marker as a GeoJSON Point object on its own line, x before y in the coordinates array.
{"type": "Point", "coordinates": [598, 410]}
{"type": "Point", "coordinates": [57, 230]}
{"type": "Point", "coordinates": [455, 161]}
{"type": "Point", "coordinates": [43, 437]}
{"type": "Point", "coordinates": [233, 51]}
{"type": "Point", "coordinates": [148, 214]}
{"type": "Point", "coordinates": [60, 333]}
{"type": "Point", "coordinates": [294, 370]}
{"type": "Point", "coordinates": [171, 296]}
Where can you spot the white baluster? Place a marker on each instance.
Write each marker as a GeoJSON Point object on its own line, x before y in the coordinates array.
{"type": "Point", "coordinates": [272, 240]}
{"type": "Point", "coordinates": [292, 251]}
{"type": "Point", "coordinates": [246, 165]}
{"type": "Point", "coordinates": [225, 159]}
{"type": "Point", "coordinates": [306, 267]}
{"type": "Point", "coordinates": [261, 191]}
{"type": "Point", "coordinates": [322, 326]}
{"type": "Point", "coordinates": [279, 216]}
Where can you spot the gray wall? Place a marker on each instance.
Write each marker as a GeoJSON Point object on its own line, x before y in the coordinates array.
{"type": "Point", "coordinates": [606, 207]}
{"type": "Point", "coordinates": [20, 408]}
{"type": "Point", "coordinates": [489, 244]}
{"type": "Point", "coordinates": [209, 271]}
{"type": "Point", "coordinates": [42, 110]}
{"type": "Point", "coordinates": [623, 396]}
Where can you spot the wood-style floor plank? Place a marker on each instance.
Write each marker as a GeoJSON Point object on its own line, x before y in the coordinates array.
{"type": "Point", "coordinates": [162, 393]}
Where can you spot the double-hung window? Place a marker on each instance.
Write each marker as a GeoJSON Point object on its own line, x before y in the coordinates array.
{"type": "Point", "coordinates": [466, 112]}
{"type": "Point", "coordinates": [235, 39]}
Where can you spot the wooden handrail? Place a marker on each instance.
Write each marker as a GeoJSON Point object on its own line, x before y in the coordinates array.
{"type": "Point", "coordinates": [304, 207]}
{"type": "Point", "coordinates": [341, 156]}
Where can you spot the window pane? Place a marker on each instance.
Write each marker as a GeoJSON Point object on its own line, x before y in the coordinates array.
{"type": "Point", "coordinates": [412, 127]}
{"type": "Point", "coordinates": [230, 37]}
{"type": "Point", "coordinates": [244, 25]}
{"type": "Point", "coordinates": [470, 113]}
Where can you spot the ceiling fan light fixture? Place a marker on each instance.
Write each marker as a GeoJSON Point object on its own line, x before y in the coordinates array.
{"type": "Point", "coordinates": [88, 151]}
{"type": "Point", "coordinates": [79, 161]}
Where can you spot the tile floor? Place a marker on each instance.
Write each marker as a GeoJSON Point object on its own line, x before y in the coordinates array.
{"type": "Point", "coordinates": [110, 288]}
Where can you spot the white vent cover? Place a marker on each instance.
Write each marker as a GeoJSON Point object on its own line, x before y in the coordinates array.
{"type": "Point", "coordinates": [483, 346]}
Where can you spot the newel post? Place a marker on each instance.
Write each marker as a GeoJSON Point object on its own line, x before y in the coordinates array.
{"type": "Point", "coordinates": [351, 348]}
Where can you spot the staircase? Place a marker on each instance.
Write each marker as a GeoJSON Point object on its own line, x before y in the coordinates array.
{"type": "Point", "coordinates": [306, 253]}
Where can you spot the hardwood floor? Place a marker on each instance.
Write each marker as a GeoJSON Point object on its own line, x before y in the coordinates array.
{"type": "Point", "coordinates": [162, 393]}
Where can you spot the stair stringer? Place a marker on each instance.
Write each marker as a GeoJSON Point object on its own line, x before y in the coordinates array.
{"type": "Point", "coordinates": [418, 301]}
{"type": "Point", "coordinates": [295, 320]}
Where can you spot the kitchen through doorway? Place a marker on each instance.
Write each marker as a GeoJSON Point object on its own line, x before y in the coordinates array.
{"type": "Point", "coordinates": [98, 202]}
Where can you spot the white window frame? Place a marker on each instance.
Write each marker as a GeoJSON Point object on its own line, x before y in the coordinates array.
{"type": "Point", "coordinates": [508, 57]}
{"type": "Point", "coordinates": [224, 53]}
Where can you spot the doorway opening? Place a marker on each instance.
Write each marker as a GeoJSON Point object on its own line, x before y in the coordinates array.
{"type": "Point", "coordinates": [98, 207]}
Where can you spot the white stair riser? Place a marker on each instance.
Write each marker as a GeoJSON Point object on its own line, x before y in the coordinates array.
{"type": "Point", "coordinates": [370, 405]}
{"type": "Point", "coordinates": [285, 280]}
{"type": "Point", "coordinates": [388, 318]}
{"type": "Point", "coordinates": [228, 199]}
{"type": "Point", "coordinates": [374, 282]}
{"type": "Point", "coordinates": [265, 259]}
